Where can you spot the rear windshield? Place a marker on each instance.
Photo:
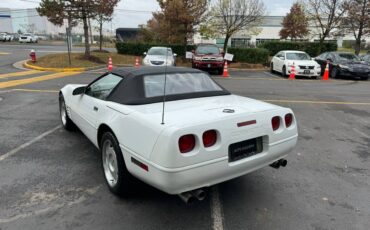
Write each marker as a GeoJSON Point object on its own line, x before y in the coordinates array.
{"type": "Point", "coordinates": [180, 83]}
{"type": "Point", "coordinates": [349, 57]}
{"type": "Point", "coordinates": [298, 56]}
{"type": "Point", "coordinates": [208, 50]}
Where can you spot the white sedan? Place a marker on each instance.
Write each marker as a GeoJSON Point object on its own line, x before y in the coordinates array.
{"type": "Point", "coordinates": [29, 38]}
{"type": "Point", "coordinates": [202, 135]}
{"type": "Point", "coordinates": [283, 61]}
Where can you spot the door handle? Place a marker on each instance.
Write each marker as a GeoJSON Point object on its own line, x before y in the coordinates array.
{"type": "Point", "coordinates": [96, 108]}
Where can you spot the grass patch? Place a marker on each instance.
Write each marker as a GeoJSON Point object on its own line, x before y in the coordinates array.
{"type": "Point", "coordinates": [96, 59]}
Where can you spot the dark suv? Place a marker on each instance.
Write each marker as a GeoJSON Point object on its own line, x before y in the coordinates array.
{"type": "Point", "coordinates": [208, 57]}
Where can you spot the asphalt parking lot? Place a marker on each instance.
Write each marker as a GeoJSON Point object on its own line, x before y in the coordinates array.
{"type": "Point", "coordinates": [52, 179]}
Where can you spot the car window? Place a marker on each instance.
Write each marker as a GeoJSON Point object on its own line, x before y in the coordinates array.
{"type": "Point", "coordinates": [160, 51]}
{"type": "Point", "coordinates": [103, 87]}
{"type": "Point", "coordinates": [180, 83]}
{"type": "Point", "coordinates": [323, 56]}
{"type": "Point", "coordinates": [280, 54]}
{"type": "Point", "coordinates": [297, 56]}
{"type": "Point", "coordinates": [366, 58]}
{"type": "Point", "coordinates": [208, 50]}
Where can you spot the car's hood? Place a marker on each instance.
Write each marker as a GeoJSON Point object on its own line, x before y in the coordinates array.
{"type": "Point", "coordinates": [157, 57]}
{"type": "Point", "coordinates": [302, 62]}
{"type": "Point", "coordinates": [200, 110]}
{"type": "Point", "coordinates": [208, 55]}
{"type": "Point", "coordinates": [355, 64]}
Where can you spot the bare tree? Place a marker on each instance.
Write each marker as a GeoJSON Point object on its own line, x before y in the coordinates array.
{"type": "Point", "coordinates": [227, 17]}
{"type": "Point", "coordinates": [327, 16]}
{"type": "Point", "coordinates": [357, 20]}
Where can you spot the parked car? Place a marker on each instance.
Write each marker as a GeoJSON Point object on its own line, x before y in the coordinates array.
{"type": "Point", "coordinates": [159, 56]}
{"type": "Point", "coordinates": [283, 61]}
{"type": "Point", "coordinates": [208, 57]}
{"type": "Point", "coordinates": [5, 37]}
{"type": "Point", "coordinates": [204, 135]}
{"type": "Point", "coordinates": [344, 64]}
{"type": "Point", "coordinates": [29, 38]}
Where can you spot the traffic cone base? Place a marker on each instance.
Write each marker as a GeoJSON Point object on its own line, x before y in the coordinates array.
{"type": "Point", "coordinates": [226, 71]}
{"type": "Point", "coordinates": [325, 77]}
{"type": "Point", "coordinates": [292, 73]}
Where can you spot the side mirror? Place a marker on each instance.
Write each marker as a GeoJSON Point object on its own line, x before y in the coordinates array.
{"type": "Point", "coordinates": [175, 55]}
{"type": "Point", "coordinates": [144, 53]}
{"type": "Point", "coordinates": [79, 90]}
{"type": "Point", "coordinates": [282, 58]}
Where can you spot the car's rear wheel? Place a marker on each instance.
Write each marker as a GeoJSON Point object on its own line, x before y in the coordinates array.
{"type": "Point", "coordinates": [117, 177]}
{"type": "Point", "coordinates": [66, 121]}
{"type": "Point", "coordinates": [220, 71]}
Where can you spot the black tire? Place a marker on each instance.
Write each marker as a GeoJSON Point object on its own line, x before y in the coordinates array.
{"type": "Point", "coordinates": [220, 71]}
{"type": "Point", "coordinates": [364, 78]}
{"type": "Point", "coordinates": [283, 72]}
{"type": "Point", "coordinates": [272, 68]}
{"type": "Point", "coordinates": [66, 121]}
{"type": "Point", "coordinates": [125, 181]}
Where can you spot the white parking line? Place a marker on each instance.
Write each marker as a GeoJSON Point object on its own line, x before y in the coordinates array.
{"type": "Point", "coordinates": [216, 210]}
{"type": "Point", "coordinates": [25, 145]}
{"type": "Point", "coordinates": [361, 133]}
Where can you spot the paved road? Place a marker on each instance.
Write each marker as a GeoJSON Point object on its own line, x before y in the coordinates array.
{"type": "Point", "coordinates": [51, 178]}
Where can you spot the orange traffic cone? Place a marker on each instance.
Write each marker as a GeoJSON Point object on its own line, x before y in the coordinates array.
{"type": "Point", "coordinates": [110, 65]}
{"type": "Point", "coordinates": [137, 65]}
{"type": "Point", "coordinates": [292, 73]}
{"type": "Point", "coordinates": [226, 72]}
{"type": "Point", "coordinates": [326, 73]}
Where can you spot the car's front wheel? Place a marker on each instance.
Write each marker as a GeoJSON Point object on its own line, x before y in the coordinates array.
{"type": "Point", "coordinates": [117, 177]}
{"type": "Point", "coordinates": [283, 72]}
{"type": "Point", "coordinates": [66, 121]}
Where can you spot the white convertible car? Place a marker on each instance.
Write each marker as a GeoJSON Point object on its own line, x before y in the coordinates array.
{"type": "Point", "coordinates": [205, 136]}
{"type": "Point", "coordinates": [303, 64]}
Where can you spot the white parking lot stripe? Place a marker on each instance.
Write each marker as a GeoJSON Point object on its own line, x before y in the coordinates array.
{"type": "Point", "coordinates": [25, 145]}
{"type": "Point", "coordinates": [216, 210]}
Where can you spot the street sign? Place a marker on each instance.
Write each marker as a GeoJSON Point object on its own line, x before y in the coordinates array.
{"type": "Point", "coordinates": [229, 57]}
{"type": "Point", "coordinates": [189, 55]}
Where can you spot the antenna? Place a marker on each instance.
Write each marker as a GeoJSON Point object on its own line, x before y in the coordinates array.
{"type": "Point", "coordinates": [164, 88]}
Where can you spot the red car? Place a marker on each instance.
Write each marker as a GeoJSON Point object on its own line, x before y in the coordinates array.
{"type": "Point", "coordinates": [208, 57]}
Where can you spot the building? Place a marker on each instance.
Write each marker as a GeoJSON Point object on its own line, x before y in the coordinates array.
{"type": "Point", "coordinates": [269, 31]}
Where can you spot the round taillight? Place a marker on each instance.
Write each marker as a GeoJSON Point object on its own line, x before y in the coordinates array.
{"type": "Point", "coordinates": [209, 138]}
{"type": "Point", "coordinates": [288, 120]}
{"type": "Point", "coordinates": [275, 122]}
{"type": "Point", "coordinates": [186, 143]}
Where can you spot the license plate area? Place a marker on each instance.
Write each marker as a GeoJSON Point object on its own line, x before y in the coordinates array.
{"type": "Point", "coordinates": [244, 149]}
{"type": "Point", "coordinates": [307, 72]}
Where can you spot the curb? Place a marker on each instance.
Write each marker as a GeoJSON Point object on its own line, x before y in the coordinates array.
{"type": "Point", "coordinates": [25, 64]}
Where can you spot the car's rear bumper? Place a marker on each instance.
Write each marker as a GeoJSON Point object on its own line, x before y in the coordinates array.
{"type": "Point", "coordinates": [205, 174]}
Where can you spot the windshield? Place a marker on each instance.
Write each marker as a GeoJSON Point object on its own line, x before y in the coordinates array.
{"type": "Point", "coordinates": [348, 57]}
{"type": "Point", "coordinates": [208, 50]}
{"type": "Point", "coordinates": [180, 83]}
{"type": "Point", "coordinates": [160, 52]}
{"type": "Point", "coordinates": [297, 56]}
{"type": "Point", "coordinates": [27, 34]}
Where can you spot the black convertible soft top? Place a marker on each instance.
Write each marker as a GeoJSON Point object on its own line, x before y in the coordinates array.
{"type": "Point", "coordinates": [130, 91]}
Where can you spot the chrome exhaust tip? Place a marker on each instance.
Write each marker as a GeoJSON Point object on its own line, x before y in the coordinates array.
{"type": "Point", "coordinates": [199, 194]}
{"type": "Point", "coordinates": [187, 197]}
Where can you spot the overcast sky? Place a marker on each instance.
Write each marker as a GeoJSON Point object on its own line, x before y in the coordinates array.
{"type": "Point", "coordinates": [143, 8]}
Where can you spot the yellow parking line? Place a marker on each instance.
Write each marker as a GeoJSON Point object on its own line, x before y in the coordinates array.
{"type": "Point", "coordinates": [3, 53]}
{"type": "Point", "coordinates": [16, 74]}
{"type": "Point", "coordinates": [320, 102]}
{"type": "Point", "coordinates": [8, 84]}
{"type": "Point", "coordinates": [37, 90]}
